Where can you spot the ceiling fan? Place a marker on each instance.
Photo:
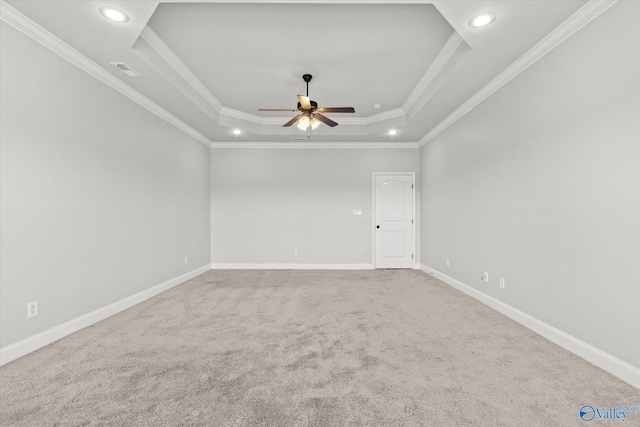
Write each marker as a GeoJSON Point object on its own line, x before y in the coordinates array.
{"type": "Point", "coordinates": [309, 111]}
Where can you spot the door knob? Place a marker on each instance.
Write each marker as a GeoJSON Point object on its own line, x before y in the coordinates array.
{"type": "Point", "coordinates": [377, 226]}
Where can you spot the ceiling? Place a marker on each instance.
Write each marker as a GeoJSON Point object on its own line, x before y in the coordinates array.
{"type": "Point", "coordinates": [208, 66]}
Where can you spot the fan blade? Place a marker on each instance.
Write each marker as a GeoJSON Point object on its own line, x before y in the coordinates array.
{"type": "Point", "coordinates": [336, 110]}
{"type": "Point", "coordinates": [325, 120]}
{"type": "Point", "coordinates": [304, 102]}
{"type": "Point", "coordinates": [292, 121]}
{"type": "Point", "coordinates": [275, 109]}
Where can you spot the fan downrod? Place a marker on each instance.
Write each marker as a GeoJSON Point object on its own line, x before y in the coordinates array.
{"type": "Point", "coordinates": [307, 78]}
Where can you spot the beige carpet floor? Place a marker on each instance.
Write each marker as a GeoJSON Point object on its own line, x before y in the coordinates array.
{"type": "Point", "coordinates": [307, 348]}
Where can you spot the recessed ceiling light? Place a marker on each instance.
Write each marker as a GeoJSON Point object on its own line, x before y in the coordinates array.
{"type": "Point", "coordinates": [115, 15]}
{"type": "Point", "coordinates": [482, 20]}
{"type": "Point", "coordinates": [377, 106]}
{"type": "Point", "coordinates": [237, 132]}
{"type": "Point", "coordinates": [392, 132]}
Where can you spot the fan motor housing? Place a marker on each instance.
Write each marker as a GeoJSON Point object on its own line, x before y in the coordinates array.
{"type": "Point", "coordinates": [314, 105]}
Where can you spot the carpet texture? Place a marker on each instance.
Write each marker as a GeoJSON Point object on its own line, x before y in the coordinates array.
{"type": "Point", "coordinates": [307, 348]}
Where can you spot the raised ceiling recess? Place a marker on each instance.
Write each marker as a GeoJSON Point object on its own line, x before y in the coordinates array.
{"type": "Point", "coordinates": [207, 66]}
{"type": "Point", "coordinates": [237, 58]}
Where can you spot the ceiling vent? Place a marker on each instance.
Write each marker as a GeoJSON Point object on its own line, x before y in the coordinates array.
{"type": "Point", "coordinates": [125, 69]}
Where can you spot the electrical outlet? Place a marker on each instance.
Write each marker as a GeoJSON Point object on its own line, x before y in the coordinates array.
{"type": "Point", "coordinates": [486, 277]}
{"type": "Point", "coordinates": [32, 309]}
{"type": "Point", "coordinates": [448, 263]}
{"type": "Point", "coordinates": [502, 283]}
{"type": "Point", "coordinates": [295, 252]}
{"type": "Point", "coordinates": [186, 260]}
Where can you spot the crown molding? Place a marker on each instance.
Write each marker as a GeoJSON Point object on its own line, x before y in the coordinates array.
{"type": "Point", "coordinates": [452, 54]}
{"type": "Point", "coordinates": [26, 26]}
{"type": "Point", "coordinates": [161, 48]}
{"type": "Point", "coordinates": [231, 113]}
{"type": "Point", "coordinates": [313, 145]}
{"type": "Point", "coordinates": [380, 117]}
{"type": "Point", "coordinates": [575, 22]}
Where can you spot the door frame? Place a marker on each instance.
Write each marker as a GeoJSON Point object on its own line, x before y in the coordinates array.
{"type": "Point", "coordinates": [373, 213]}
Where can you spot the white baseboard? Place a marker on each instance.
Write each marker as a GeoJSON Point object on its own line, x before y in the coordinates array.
{"type": "Point", "coordinates": [35, 342]}
{"type": "Point", "coordinates": [240, 266]}
{"type": "Point", "coordinates": [611, 364]}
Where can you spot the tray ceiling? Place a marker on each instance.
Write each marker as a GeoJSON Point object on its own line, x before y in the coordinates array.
{"type": "Point", "coordinates": [208, 66]}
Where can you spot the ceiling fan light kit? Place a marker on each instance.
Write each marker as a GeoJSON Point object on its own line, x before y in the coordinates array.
{"type": "Point", "coordinates": [306, 121]}
{"type": "Point", "coordinates": [309, 113]}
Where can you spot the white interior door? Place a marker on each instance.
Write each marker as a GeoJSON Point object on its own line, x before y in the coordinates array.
{"type": "Point", "coordinates": [394, 221]}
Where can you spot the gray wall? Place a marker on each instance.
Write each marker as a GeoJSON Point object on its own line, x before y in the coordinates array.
{"type": "Point", "coordinates": [99, 198]}
{"type": "Point", "coordinates": [267, 202]}
{"type": "Point", "coordinates": [540, 184]}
